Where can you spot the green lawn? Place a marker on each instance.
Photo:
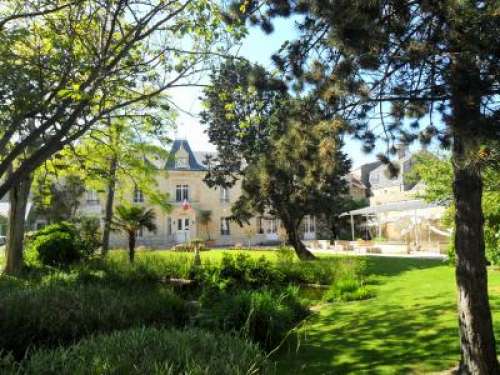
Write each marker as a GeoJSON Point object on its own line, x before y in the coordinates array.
{"type": "Point", "coordinates": [410, 327]}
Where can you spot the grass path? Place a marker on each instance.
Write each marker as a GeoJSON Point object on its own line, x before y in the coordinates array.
{"type": "Point", "coordinates": [410, 326]}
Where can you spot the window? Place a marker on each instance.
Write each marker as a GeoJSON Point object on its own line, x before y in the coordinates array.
{"type": "Point", "coordinates": [179, 224]}
{"type": "Point", "coordinates": [91, 197]}
{"type": "Point", "coordinates": [224, 226]}
{"type": "Point", "coordinates": [182, 162]}
{"type": "Point", "coordinates": [224, 194]}
{"type": "Point", "coordinates": [181, 193]}
{"type": "Point", "coordinates": [138, 196]}
{"type": "Point", "coordinates": [273, 226]}
{"type": "Point", "coordinates": [260, 228]}
{"type": "Point", "coordinates": [309, 224]}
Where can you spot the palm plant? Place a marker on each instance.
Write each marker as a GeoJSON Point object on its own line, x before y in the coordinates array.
{"type": "Point", "coordinates": [131, 219]}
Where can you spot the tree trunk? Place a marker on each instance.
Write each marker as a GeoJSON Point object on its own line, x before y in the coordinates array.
{"type": "Point", "coordinates": [18, 198]}
{"type": "Point", "coordinates": [333, 228]}
{"type": "Point", "coordinates": [131, 247]}
{"type": "Point", "coordinates": [110, 198]}
{"type": "Point", "coordinates": [477, 340]}
{"type": "Point", "coordinates": [478, 355]}
{"type": "Point", "coordinates": [295, 241]}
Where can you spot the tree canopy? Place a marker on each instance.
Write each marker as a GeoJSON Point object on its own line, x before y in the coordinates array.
{"type": "Point", "coordinates": [287, 156]}
{"type": "Point", "coordinates": [399, 71]}
{"type": "Point", "coordinates": [66, 65]}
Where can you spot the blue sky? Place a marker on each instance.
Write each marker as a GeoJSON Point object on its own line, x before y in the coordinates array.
{"type": "Point", "coordinates": [257, 47]}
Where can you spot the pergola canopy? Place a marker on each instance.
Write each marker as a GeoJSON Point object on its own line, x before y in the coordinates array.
{"type": "Point", "coordinates": [409, 205]}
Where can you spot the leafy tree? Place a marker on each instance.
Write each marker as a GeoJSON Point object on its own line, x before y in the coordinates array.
{"type": "Point", "coordinates": [130, 220]}
{"type": "Point", "coordinates": [300, 177]}
{"type": "Point", "coordinates": [388, 64]}
{"type": "Point", "coordinates": [57, 199]}
{"type": "Point", "coordinates": [67, 66]}
{"type": "Point", "coordinates": [118, 157]}
{"type": "Point", "coordinates": [241, 112]}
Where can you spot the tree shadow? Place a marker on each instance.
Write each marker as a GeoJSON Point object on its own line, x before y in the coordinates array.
{"type": "Point", "coordinates": [412, 331]}
{"type": "Point", "coordinates": [392, 266]}
{"type": "Point", "coordinates": [368, 340]}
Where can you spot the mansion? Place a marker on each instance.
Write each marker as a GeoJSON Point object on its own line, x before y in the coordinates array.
{"type": "Point", "coordinates": [181, 176]}
{"type": "Point", "coordinates": [395, 212]}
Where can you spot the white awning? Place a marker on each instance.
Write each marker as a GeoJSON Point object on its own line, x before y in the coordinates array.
{"type": "Point", "coordinates": [408, 205]}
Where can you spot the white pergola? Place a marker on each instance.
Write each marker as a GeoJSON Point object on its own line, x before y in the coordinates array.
{"type": "Point", "coordinates": [414, 208]}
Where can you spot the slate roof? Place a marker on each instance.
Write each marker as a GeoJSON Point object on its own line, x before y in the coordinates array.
{"type": "Point", "coordinates": [194, 164]}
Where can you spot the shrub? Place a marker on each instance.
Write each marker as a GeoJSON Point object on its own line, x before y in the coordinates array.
{"type": "Point", "coordinates": [263, 316]}
{"type": "Point", "coordinates": [347, 290]}
{"type": "Point", "coordinates": [56, 249]}
{"type": "Point", "coordinates": [242, 271]}
{"type": "Point", "coordinates": [285, 256]}
{"type": "Point", "coordinates": [183, 247]}
{"type": "Point", "coordinates": [58, 244]}
{"type": "Point", "coordinates": [60, 311]}
{"type": "Point", "coordinates": [151, 351]}
{"type": "Point", "coordinates": [90, 232]}
{"type": "Point", "coordinates": [147, 269]}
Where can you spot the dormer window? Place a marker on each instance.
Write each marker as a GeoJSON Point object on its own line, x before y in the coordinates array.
{"type": "Point", "coordinates": [181, 162]}
{"type": "Point", "coordinates": [182, 159]}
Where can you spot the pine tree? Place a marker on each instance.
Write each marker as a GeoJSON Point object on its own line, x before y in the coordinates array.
{"type": "Point", "coordinates": [283, 149]}
{"type": "Point", "coordinates": [386, 61]}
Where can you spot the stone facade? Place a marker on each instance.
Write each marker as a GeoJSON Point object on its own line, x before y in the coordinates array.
{"type": "Point", "coordinates": [182, 178]}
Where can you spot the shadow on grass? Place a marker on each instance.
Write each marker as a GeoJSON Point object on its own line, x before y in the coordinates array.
{"type": "Point", "coordinates": [410, 327]}
{"type": "Point", "coordinates": [392, 266]}
{"type": "Point", "coordinates": [373, 339]}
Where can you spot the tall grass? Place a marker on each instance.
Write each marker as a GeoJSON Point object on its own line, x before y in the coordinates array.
{"type": "Point", "coordinates": [56, 313]}
{"type": "Point", "coordinates": [263, 316]}
{"type": "Point", "coordinates": [147, 351]}
{"type": "Point", "coordinates": [258, 297]}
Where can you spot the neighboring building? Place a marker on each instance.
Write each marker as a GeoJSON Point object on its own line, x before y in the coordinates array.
{"type": "Point", "coordinates": [395, 212]}
{"type": "Point", "coordinates": [357, 189]}
{"type": "Point", "coordinates": [385, 188]}
{"type": "Point", "coordinates": [182, 178]}
{"type": "Point", "coordinates": [362, 174]}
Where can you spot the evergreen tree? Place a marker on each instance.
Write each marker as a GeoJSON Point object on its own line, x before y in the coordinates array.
{"type": "Point", "coordinates": [287, 155]}
{"type": "Point", "coordinates": [385, 61]}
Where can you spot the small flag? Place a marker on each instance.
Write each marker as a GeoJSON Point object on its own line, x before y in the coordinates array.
{"type": "Point", "coordinates": [185, 205]}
